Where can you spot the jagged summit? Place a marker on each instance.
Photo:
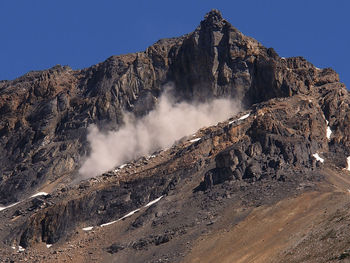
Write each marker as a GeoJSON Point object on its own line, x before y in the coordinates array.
{"type": "Point", "coordinates": [278, 169]}
{"type": "Point", "coordinates": [214, 15]}
{"type": "Point", "coordinates": [214, 20]}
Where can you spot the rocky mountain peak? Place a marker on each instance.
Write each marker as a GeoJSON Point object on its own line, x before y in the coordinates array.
{"type": "Point", "coordinates": [47, 113]}
{"type": "Point", "coordinates": [214, 14]}
{"type": "Point", "coordinates": [294, 132]}
{"type": "Point", "coordinates": [213, 20]}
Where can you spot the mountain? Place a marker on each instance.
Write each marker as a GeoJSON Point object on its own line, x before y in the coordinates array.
{"type": "Point", "coordinates": [269, 184]}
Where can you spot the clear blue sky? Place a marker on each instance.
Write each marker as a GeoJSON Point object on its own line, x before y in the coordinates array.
{"type": "Point", "coordinates": [38, 34]}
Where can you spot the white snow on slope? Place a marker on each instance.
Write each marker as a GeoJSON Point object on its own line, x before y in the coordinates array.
{"type": "Point", "coordinates": [329, 133]}
{"type": "Point", "coordinates": [20, 249]}
{"type": "Point", "coordinates": [195, 140]}
{"type": "Point", "coordinates": [48, 245]}
{"type": "Point", "coordinates": [127, 215]}
{"type": "Point", "coordinates": [5, 207]}
{"type": "Point", "coordinates": [241, 118]}
{"type": "Point", "coordinates": [39, 194]}
{"type": "Point", "coordinates": [348, 161]}
{"type": "Point", "coordinates": [318, 158]}
{"type": "Point", "coordinates": [244, 117]}
{"type": "Point", "coordinates": [154, 201]}
{"type": "Point", "coordinates": [109, 223]}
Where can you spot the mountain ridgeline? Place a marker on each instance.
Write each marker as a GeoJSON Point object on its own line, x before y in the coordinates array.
{"type": "Point", "coordinates": [292, 133]}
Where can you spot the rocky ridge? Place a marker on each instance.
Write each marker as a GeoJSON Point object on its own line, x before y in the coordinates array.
{"type": "Point", "coordinates": [275, 150]}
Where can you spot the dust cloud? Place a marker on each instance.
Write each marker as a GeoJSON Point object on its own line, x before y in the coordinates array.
{"type": "Point", "coordinates": [159, 129]}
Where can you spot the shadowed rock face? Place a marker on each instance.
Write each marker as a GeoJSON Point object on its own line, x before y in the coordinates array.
{"type": "Point", "coordinates": [44, 123]}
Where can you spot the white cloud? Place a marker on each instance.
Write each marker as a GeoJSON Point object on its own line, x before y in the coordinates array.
{"type": "Point", "coordinates": [168, 122]}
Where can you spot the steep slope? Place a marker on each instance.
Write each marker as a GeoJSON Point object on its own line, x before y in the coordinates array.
{"type": "Point", "coordinates": [245, 181]}
{"type": "Point", "coordinates": [45, 114]}
{"type": "Point", "coordinates": [207, 186]}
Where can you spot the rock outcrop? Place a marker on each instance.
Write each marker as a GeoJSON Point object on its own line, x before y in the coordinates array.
{"type": "Point", "coordinates": [280, 142]}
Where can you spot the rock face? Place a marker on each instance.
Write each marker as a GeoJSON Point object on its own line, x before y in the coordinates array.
{"type": "Point", "coordinates": [255, 159]}
{"type": "Point", "coordinates": [280, 142]}
{"type": "Point", "coordinates": [45, 114]}
{"type": "Point", "coordinates": [253, 149]}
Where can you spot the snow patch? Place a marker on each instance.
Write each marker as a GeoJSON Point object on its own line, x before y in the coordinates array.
{"type": "Point", "coordinates": [48, 245]}
{"type": "Point", "coordinates": [38, 194]}
{"type": "Point", "coordinates": [127, 215]}
{"type": "Point", "coordinates": [195, 140]}
{"type": "Point", "coordinates": [154, 201]}
{"type": "Point", "coordinates": [348, 161]}
{"type": "Point", "coordinates": [318, 158]}
{"type": "Point", "coordinates": [109, 223]}
{"type": "Point", "coordinates": [20, 249]}
{"type": "Point", "coordinates": [329, 133]}
{"type": "Point", "coordinates": [13, 247]}
{"type": "Point", "coordinates": [122, 166]}
{"type": "Point", "coordinates": [240, 119]}
{"type": "Point", "coordinates": [6, 207]}
{"type": "Point", "coordinates": [244, 117]}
